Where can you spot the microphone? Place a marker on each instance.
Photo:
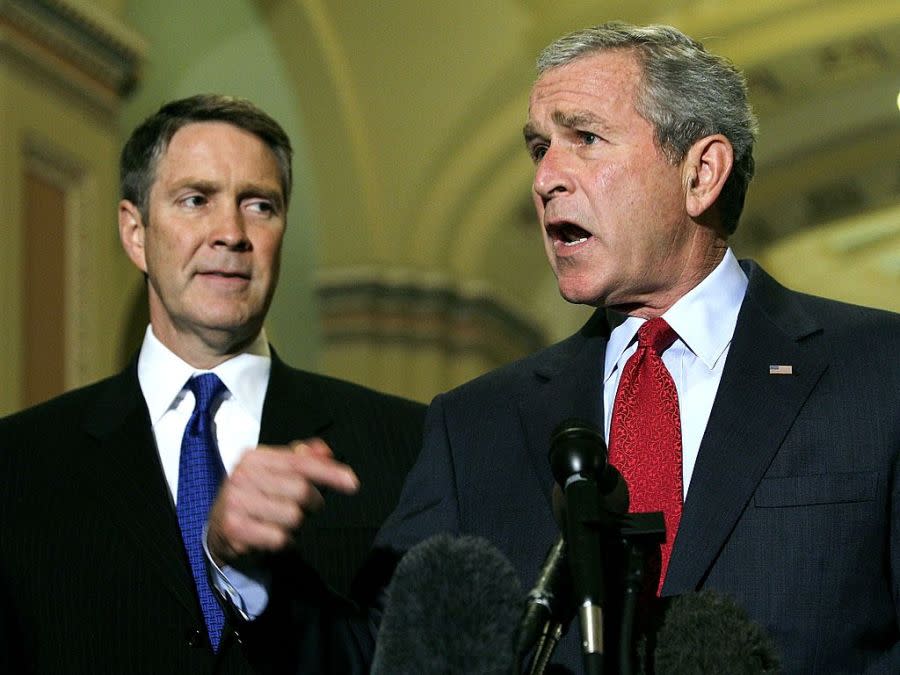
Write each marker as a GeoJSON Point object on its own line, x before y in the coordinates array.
{"type": "Point", "coordinates": [707, 632]}
{"type": "Point", "coordinates": [549, 602]}
{"type": "Point", "coordinates": [452, 607]}
{"type": "Point", "coordinates": [578, 460]}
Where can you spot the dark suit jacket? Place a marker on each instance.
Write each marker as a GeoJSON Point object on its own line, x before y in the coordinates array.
{"type": "Point", "coordinates": [93, 573]}
{"type": "Point", "coordinates": [794, 503]}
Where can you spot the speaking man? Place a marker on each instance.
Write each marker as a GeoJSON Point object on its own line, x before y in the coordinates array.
{"type": "Point", "coordinates": [762, 422]}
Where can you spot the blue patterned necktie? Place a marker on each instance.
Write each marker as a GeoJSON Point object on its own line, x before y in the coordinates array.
{"type": "Point", "coordinates": [200, 471]}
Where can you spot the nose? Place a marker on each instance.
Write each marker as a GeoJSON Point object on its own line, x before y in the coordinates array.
{"type": "Point", "coordinates": [553, 176]}
{"type": "Point", "coordinates": [230, 230]}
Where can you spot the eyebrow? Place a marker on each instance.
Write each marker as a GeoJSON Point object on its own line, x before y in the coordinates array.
{"type": "Point", "coordinates": [567, 121]}
{"type": "Point", "coordinates": [577, 119]}
{"type": "Point", "coordinates": [198, 184]}
{"type": "Point", "coordinates": [530, 132]}
{"type": "Point", "coordinates": [246, 191]}
{"type": "Point", "coordinates": [273, 196]}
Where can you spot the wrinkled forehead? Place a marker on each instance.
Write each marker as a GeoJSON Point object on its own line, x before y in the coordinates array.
{"type": "Point", "coordinates": [593, 84]}
{"type": "Point", "coordinates": [205, 140]}
{"type": "Point", "coordinates": [592, 72]}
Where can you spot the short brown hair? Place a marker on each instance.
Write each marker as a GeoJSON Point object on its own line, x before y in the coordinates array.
{"type": "Point", "coordinates": [147, 143]}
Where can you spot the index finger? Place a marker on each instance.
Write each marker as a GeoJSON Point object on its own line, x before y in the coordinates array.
{"type": "Point", "coordinates": [326, 471]}
{"type": "Point", "coordinates": [313, 446]}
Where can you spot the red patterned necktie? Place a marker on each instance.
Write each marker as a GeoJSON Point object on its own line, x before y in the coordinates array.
{"type": "Point", "coordinates": [645, 435]}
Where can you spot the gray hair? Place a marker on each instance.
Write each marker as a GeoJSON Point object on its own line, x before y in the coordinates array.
{"type": "Point", "coordinates": [686, 93]}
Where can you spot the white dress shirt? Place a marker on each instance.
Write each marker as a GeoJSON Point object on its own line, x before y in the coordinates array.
{"type": "Point", "coordinates": [163, 377]}
{"type": "Point", "coordinates": [704, 320]}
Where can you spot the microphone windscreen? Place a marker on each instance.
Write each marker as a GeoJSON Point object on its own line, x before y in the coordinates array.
{"type": "Point", "coordinates": [453, 606]}
{"type": "Point", "coordinates": [707, 632]}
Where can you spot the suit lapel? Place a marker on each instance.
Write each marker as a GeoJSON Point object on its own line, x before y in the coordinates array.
{"type": "Point", "coordinates": [123, 468]}
{"type": "Point", "coordinates": [750, 418]}
{"type": "Point", "coordinates": [121, 465]}
{"type": "Point", "coordinates": [568, 382]}
{"type": "Point", "coordinates": [292, 410]}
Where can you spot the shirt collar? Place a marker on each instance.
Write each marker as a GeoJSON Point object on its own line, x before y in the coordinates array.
{"type": "Point", "coordinates": [163, 375]}
{"type": "Point", "coordinates": [704, 318]}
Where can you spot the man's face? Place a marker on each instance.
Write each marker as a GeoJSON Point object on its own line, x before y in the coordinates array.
{"type": "Point", "coordinates": [212, 245]}
{"type": "Point", "coordinates": [611, 207]}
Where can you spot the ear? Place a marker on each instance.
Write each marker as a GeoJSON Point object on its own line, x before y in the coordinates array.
{"type": "Point", "coordinates": [706, 168]}
{"type": "Point", "coordinates": [131, 233]}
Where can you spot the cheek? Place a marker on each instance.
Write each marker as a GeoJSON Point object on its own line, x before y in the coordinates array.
{"type": "Point", "coordinates": [268, 248]}
{"type": "Point", "coordinates": [662, 180]}
{"type": "Point", "coordinates": [608, 185]}
{"type": "Point", "coordinates": [171, 245]}
{"type": "Point", "coordinates": [538, 205]}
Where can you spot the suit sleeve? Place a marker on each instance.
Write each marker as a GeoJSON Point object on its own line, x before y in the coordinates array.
{"type": "Point", "coordinates": [890, 661]}
{"type": "Point", "coordinates": [11, 657]}
{"type": "Point", "coordinates": [428, 503]}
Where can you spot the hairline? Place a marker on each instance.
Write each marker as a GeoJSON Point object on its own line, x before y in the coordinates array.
{"type": "Point", "coordinates": [162, 147]}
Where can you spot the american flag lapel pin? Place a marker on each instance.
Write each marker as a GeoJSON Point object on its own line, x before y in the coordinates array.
{"type": "Point", "coordinates": [781, 369]}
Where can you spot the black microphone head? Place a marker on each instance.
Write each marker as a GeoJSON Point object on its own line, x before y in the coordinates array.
{"type": "Point", "coordinates": [453, 606]}
{"type": "Point", "coordinates": [707, 632]}
{"type": "Point", "coordinates": [577, 448]}
{"type": "Point", "coordinates": [614, 490]}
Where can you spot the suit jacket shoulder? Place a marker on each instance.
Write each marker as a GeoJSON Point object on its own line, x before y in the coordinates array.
{"type": "Point", "coordinates": [801, 314]}
{"type": "Point", "coordinates": [106, 398]}
{"type": "Point", "coordinates": [519, 378]}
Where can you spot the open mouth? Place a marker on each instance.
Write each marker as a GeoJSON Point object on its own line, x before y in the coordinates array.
{"type": "Point", "coordinates": [568, 234]}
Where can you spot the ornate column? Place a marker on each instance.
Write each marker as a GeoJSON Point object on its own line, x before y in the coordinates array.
{"type": "Point", "coordinates": [64, 68]}
{"type": "Point", "coordinates": [415, 334]}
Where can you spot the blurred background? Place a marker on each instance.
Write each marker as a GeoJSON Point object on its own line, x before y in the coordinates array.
{"type": "Point", "coordinates": [412, 260]}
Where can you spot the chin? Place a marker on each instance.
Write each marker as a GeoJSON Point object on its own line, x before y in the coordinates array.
{"type": "Point", "coordinates": [579, 292]}
{"type": "Point", "coordinates": [233, 322]}
{"type": "Point", "coordinates": [581, 298]}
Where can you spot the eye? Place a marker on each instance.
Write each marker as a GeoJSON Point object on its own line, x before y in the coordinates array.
{"type": "Point", "coordinates": [588, 138]}
{"type": "Point", "coordinates": [262, 207]}
{"type": "Point", "coordinates": [537, 152]}
{"type": "Point", "coordinates": [193, 201]}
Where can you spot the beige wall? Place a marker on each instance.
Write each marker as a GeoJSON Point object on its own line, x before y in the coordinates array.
{"type": "Point", "coordinates": [65, 134]}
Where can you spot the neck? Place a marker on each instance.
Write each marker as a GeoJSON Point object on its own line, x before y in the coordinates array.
{"type": "Point", "coordinates": [205, 351]}
{"type": "Point", "coordinates": [699, 264]}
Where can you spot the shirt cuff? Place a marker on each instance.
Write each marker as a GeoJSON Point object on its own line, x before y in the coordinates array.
{"type": "Point", "coordinates": [246, 591]}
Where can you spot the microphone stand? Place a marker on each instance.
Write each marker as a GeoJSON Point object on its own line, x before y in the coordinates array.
{"type": "Point", "coordinates": [550, 637]}
{"type": "Point", "coordinates": [579, 464]}
{"type": "Point", "coordinates": [637, 533]}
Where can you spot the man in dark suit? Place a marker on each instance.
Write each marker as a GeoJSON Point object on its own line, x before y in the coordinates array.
{"type": "Point", "coordinates": [781, 486]}
{"type": "Point", "coordinates": [102, 567]}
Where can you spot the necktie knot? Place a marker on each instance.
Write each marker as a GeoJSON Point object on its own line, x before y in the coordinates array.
{"type": "Point", "coordinates": [657, 335]}
{"type": "Point", "coordinates": [206, 389]}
